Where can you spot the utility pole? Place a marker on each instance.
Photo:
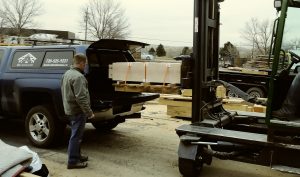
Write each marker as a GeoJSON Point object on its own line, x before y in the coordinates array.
{"type": "Point", "coordinates": [86, 20]}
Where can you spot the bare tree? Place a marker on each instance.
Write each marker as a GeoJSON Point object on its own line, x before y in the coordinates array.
{"type": "Point", "coordinates": [105, 19]}
{"type": "Point", "coordinates": [2, 23]}
{"type": "Point", "coordinates": [293, 44]}
{"type": "Point", "coordinates": [19, 14]}
{"type": "Point", "coordinates": [258, 35]}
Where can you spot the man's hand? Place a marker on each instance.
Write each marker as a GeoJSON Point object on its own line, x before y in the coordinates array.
{"type": "Point", "coordinates": [92, 116]}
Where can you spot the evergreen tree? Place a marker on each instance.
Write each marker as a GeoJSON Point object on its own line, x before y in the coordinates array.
{"type": "Point", "coordinates": [229, 52]}
{"type": "Point", "coordinates": [160, 50]}
{"type": "Point", "coordinates": [152, 51]}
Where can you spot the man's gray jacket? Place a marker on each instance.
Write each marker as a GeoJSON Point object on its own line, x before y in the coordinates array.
{"type": "Point", "coordinates": [75, 94]}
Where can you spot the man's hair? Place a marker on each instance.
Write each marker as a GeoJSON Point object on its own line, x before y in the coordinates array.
{"type": "Point", "coordinates": [78, 58]}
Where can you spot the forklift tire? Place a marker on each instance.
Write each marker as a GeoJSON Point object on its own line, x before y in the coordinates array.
{"type": "Point", "coordinates": [189, 168]}
{"type": "Point", "coordinates": [105, 126]}
{"type": "Point", "coordinates": [256, 92]}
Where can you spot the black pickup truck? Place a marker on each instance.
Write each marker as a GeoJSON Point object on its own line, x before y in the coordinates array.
{"type": "Point", "coordinates": [30, 79]}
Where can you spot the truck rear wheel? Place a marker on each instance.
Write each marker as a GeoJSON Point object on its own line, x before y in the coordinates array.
{"type": "Point", "coordinates": [41, 126]}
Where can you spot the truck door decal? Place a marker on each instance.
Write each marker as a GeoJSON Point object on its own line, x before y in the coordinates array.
{"type": "Point", "coordinates": [26, 60]}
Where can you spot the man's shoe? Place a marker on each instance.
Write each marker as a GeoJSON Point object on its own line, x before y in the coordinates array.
{"type": "Point", "coordinates": [281, 115]}
{"type": "Point", "coordinates": [77, 165]}
{"type": "Point", "coordinates": [284, 115]}
{"type": "Point", "coordinates": [84, 158]}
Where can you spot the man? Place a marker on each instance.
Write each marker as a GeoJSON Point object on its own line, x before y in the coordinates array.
{"type": "Point", "coordinates": [76, 101]}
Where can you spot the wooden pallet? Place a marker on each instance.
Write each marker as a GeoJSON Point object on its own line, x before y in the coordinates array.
{"type": "Point", "coordinates": [147, 87]}
{"type": "Point", "coordinates": [220, 92]}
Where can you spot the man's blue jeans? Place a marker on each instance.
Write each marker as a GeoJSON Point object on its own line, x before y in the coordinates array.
{"type": "Point", "coordinates": [77, 127]}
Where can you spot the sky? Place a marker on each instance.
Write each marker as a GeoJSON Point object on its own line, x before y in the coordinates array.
{"type": "Point", "coordinates": [167, 22]}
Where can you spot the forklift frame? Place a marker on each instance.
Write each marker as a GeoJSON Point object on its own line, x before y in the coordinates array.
{"type": "Point", "coordinates": [215, 132]}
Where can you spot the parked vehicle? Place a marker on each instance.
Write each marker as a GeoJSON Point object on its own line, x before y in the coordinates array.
{"type": "Point", "coordinates": [182, 57]}
{"type": "Point", "coordinates": [30, 79]}
{"type": "Point", "coordinates": [146, 56]}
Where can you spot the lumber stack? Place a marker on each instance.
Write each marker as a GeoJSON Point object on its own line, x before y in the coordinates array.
{"type": "Point", "coordinates": [181, 105]}
{"type": "Point", "coordinates": [146, 77]}
{"type": "Point", "coordinates": [247, 70]}
{"type": "Point", "coordinates": [146, 72]}
{"type": "Point", "coordinates": [147, 87]}
{"type": "Point", "coordinates": [260, 62]}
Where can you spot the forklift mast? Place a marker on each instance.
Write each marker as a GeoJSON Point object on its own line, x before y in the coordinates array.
{"type": "Point", "coordinates": [205, 53]}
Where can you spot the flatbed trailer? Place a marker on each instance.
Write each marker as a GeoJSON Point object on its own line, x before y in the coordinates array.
{"type": "Point", "coordinates": [253, 83]}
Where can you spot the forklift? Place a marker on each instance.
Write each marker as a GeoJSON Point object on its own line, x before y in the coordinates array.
{"type": "Point", "coordinates": [248, 137]}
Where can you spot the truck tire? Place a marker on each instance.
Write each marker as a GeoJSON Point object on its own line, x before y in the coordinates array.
{"type": "Point", "coordinates": [42, 127]}
{"type": "Point", "coordinates": [106, 125]}
{"type": "Point", "coordinates": [256, 92]}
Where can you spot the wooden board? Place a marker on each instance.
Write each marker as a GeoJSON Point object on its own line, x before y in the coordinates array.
{"type": "Point", "coordinates": [187, 92]}
{"type": "Point", "coordinates": [179, 111]}
{"type": "Point", "coordinates": [163, 72]}
{"type": "Point", "coordinates": [248, 71]}
{"type": "Point", "coordinates": [146, 87]}
{"type": "Point", "coordinates": [175, 100]}
{"type": "Point", "coordinates": [25, 174]}
{"type": "Point", "coordinates": [220, 92]}
{"type": "Point", "coordinates": [128, 71]}
{"type": "Point", "coordinates": [150, 72]}
{"type": "Point", "coordinates": [180, 106]}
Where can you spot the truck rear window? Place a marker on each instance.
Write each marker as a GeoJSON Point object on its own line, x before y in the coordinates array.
{"type": "Point", "coordinates": [27, 59]}
{"type": "Point", "coordinates": [58, 59]}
